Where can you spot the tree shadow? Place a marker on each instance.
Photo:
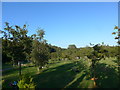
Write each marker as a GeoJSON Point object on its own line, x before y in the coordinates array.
{"type": "Point", "coordinates": [77, 82]}
{"type": "Point", "coordinates": [57, 77]}
{"type": "Point", "coordinates": [107, 76]}
{"type": "Point", "coordinates": [115, 61]}
{"type": "Point", "coordinates": [12, 75]}
{"type": "Point", "coordinates": [13, 70]}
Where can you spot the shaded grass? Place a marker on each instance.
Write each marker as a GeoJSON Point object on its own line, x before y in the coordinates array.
{"type": "Point", "coordinates": [57, 77]}
{"type": "Point", "coordinates": [77, 82]}
{"type": "Point", "coordinates": [13, 75]}
{"type": "Point", "coordinates": [60, 75]}
{"type": "Point", "coordinates": [5, 66]}
{"type": "Point", "coordinates": [107, 76]}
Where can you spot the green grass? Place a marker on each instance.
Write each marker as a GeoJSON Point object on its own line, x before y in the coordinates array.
{"type": "Point", "coordinates": [107, 73]}
{"type": "Point", "coordinates": [59, 74]}
{"type": "Point", "coordinates": [12, 75]}
{"type": "Point", "coordinates": [4, 66]}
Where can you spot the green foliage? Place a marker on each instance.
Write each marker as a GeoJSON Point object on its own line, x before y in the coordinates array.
{"type": "Point", "coordinates": [40, 34]}
{"type": "Point", "coordinates": [118, 34]}
{"type": "Point", "coordinates": [2, 83]}
{"type": "Point", "coordinates": [16, 43]}
{"type": "Point", "coordinates": [103, 50]}
{"type": "Point", "coordinates": [85, 51]}
{"type": "Point", "coordinates": [97, 54]}
{"type": "Point", "coordinates": [118, 48]}
{"type": "Point", "coordinates": [26, 82]}
{"type": "Point", "coordinates": [71, 46]}
{"type": "Point", "coordinates": [40, 52]}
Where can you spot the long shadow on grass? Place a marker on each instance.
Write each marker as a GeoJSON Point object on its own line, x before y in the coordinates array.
{"type": "Point", "coordinates": [77, 82]}
{"type": "Point", "coordinates": [13, 70]}
{"type": "Point", "coordinates": [107, 76]}
{"type": "Point", "coordinates": [115, 61]}
{"type": "Point", "coordinates": [10, 77]}
{"type": "Point", "coordinates": [57, 77]}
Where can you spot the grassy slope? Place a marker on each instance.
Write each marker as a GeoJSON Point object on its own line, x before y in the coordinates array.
{"type": "Point", "coordinates": [61, 75]}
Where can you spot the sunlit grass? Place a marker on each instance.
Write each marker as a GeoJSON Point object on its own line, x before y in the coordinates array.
{"type": "Point", "coordinates": [59, 74]}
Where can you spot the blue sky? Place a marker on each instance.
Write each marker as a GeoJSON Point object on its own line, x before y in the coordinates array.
{"type": "Point", "coordinates": [66, 23]}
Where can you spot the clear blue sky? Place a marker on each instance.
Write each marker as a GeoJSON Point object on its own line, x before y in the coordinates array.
{"type": "Point", "coordinates": [65, 23]}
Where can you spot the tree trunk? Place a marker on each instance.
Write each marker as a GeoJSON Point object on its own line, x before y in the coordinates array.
{"type": "Point", "coordinates": [93, 72]}
{"type": "Point", "coordinates": [13, 61]}
{"type": "Point", "coordinates": [19, 64]}
{"type": "Point", "coordinates": [39, 68]}
{"type": "Point", "coordinates": [93, 68]}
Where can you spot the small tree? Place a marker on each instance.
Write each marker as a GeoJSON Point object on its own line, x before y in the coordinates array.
{"type": "Point", "coordinates": [118, 38]}
{"type": "Point", "coordinates": [97, 54]}
{"type": "Point", "coordinates": [72, 46]}
{"type": "Point", "coordinates": [40, 52]}
{"type": "Point", "coordinates": [118, 34]}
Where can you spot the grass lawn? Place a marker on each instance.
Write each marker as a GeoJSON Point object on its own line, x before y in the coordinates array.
{"type": "Point", "coordinates": [5, 66]}
{"type": "Point", "coordinates": [62, 75]}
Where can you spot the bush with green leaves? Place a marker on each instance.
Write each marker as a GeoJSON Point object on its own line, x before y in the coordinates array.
{"type": "Point", "coordinates": [97, 54]}
{"type": "Point", "coordinates": [26, 82]}
{"type": "Point", "coordinates": [40, 52]}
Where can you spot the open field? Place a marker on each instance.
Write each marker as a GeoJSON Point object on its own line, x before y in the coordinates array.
{"type": "Point", "coordinates": [60, 45]}
{"type": "Point", "coordinates": [68, 74]}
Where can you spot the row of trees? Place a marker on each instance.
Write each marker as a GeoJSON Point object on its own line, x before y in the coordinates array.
{"type": "Point", "coordinates": [18, 46]}
{"type": "Point", "coordinates": [76, 53]}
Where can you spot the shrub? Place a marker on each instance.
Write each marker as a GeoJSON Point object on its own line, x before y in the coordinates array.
{"type": "Point", "coordinates": [2, 83]}
{"type": "Point", "coordinates": [26, 82]}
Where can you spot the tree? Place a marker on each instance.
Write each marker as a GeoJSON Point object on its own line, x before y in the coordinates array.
{"type": "Point", "coordinates": [16, 43]}
{"type": "Point", "coordinates": [40, 52]}
{"type": "Point", "coordinates": [97, 54]}
{"type": "Point", "coordinates": [118, 34]}
{"type": "Point", "coordinates": [118, 38]}
{"type": "Point", "coordinates": [71, 46]}
{"type": "Point", "coordinates": [5, 57]}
